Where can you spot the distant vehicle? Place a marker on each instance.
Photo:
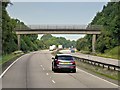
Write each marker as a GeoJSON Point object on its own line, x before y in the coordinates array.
{"type": "Point", "coordinates": [60, 47]}
{"type": "Point", "coordinates": [63, 62]}
{"type": "Point", "coordinates": [53, 47]}
{"type": "Point", "coordinates": [72, 51]}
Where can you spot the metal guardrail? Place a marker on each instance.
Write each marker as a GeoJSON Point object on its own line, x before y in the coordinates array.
{"type": "Point", "coordinates": [97, 63]}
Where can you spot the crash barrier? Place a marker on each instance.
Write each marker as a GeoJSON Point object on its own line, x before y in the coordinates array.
{"type": "Point", "coordinates": [97, 63]}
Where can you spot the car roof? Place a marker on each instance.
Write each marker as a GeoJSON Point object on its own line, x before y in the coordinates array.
{"type": "Point", "coordinates": [64, 55]}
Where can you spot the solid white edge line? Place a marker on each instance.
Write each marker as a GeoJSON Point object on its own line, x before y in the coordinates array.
{"type": "Point", "coordinates": [98, 77]}
{"type": "Point", "coordinates": [53, 81]}
{"type": "Point", "coordinates": [10, 66]}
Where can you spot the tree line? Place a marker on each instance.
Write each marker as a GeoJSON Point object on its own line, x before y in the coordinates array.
{"type": "Point", "coordinates": [9, 38]}
{"type": "Point", "coordinates": [109, 38]}
{"type": "Point", "coordinates": [51, 40]}
{"type": "Point", "coordinates": [28, 42]}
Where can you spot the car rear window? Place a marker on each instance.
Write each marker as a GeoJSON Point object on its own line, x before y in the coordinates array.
{"type": "Point", "coordinates": [65, 58]}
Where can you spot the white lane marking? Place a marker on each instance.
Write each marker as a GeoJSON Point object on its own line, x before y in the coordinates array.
{"type": "Point", "coordinates": [98, 77]}
{"type": "Point", "coordinates": [11, 66]}
{"type": "Point", "coordinates": [41, 65]}
{"type": "Point", "coordinates": [43, 69]}
{"type": "Point", "coordinates": [47, 73]}
{"type": "Point", "coordinates": [50, 77]}
{"type": "Point", "coordinates": [53, 81]}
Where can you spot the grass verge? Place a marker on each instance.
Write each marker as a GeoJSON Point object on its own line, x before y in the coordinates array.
{"type": "Point", "coordinates": [8, 57]}
{"type": "Point", "coordinates": [99, 70]}
{"type": "Point", "coordinates": [113, 53]}
{"type": "Point", "coordinates": [6, 60]}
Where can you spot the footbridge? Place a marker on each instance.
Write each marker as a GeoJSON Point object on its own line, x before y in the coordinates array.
{"type": "Point", "coordinates": [59, 29]}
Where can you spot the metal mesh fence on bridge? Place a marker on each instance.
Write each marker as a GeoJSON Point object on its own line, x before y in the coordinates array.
{"type": "Point", "coordinates": [65, 27]}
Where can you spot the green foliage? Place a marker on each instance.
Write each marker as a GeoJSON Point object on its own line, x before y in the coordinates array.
{"type": "Point", "coordinates": [40, 44]}
{"type": "Point", "coordinates": [84, 43]}
{"type": "Point", "coordinates": [11, 56]}
{"type": "Point", "coordinates": [28, 42]}
{"type": "Point", "coordinates": [111, 53]}
{"type": "Point", "coordinates": [46, 37]}
{"type": "Point", "coordinates": [49, 40]}
{"type": "Point", "coordinates": [109, 38]}
{"type": "Point", "coordinates": [114, 52]}
{"type": "Point", "coordinates": [9, 38]}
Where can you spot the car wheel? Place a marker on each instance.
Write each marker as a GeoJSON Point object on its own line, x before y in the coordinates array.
{"type": "Point", "coordinates": [55, 70]}
{"type": "Point", "coordinates": [74, 71]}
{"type": "Point", "coordinates": [52, 67]}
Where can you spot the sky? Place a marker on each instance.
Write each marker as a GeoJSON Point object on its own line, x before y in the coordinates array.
{"type": "Point", "coordinates": [66, 13]}
{"type": "Point", "coordinates": [61, 0]}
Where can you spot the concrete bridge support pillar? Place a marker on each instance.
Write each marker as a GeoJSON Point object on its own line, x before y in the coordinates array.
{"type": "Point", "coordinates": [93, 43]}
{"type": "Point", "coordinates": [18, 37]}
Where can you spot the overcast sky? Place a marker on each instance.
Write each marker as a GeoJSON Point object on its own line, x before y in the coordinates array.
{"type": "Point", "coordinates": [36, 13]}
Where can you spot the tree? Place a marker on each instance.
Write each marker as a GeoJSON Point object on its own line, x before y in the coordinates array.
{"type": "Point", "coordinates": [109, 38]}
{"type": "Point", "coordinates": [9, 38]}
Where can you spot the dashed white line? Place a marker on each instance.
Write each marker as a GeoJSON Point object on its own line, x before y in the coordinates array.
{"type": "Point", "coordinates": [43, 69]}
{"type": "Point", "coordinates": [47, 73]}
{"type": "Point", "coordinates": [53, 81]}
{"type": "Point", "coordinates": [50, 77]}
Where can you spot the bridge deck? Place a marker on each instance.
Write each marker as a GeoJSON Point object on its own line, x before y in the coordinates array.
{"type": "Point", "coordinates": [61, 31]}
{"type": "Point", "coordinates": [58, 29]}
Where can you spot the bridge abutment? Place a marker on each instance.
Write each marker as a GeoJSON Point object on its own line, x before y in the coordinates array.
{"type": "Point", "coordinates": [18, 38]}
{"type": "Point", "coordinates": [93, 43]}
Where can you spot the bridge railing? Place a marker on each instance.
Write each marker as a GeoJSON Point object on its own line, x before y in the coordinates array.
{"type": "Point", "coordinates": [91, 27]}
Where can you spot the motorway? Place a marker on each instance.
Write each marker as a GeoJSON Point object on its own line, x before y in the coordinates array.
{"type": "Point", "coordinates": [33, 70]}
{"type": "Point", "coordinates": [94, 58]}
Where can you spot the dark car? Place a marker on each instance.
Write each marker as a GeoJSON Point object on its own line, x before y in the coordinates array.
{"type": "Point", "coordinates": [63, 62]}
{"type": "Point", "coordinates": [72, 51]}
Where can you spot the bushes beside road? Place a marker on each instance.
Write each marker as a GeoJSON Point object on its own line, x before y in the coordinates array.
{"type": "Point", "coordinates": [113, 53]}
{"type": "Point", "coordinates": [108, 41]}
{"type": "Point", "coordinates": [7, 59]}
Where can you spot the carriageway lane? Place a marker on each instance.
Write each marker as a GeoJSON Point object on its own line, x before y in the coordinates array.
{"type": "Point", "coordinates": [24, 74]}
{"type": "Point", "coordinates": [34, 71]}
{"type": "Point", "coordinates": [94, 58]}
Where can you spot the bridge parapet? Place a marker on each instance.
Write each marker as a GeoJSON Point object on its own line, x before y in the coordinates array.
{"type": "Point", "coordinates": [65, 27]}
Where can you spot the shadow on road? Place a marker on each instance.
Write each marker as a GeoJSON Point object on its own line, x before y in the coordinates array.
{"type": "Point", "coordinates": [63, 71]}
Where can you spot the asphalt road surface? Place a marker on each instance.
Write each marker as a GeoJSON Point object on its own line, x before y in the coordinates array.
{"type": "Point", "coordinates": [33, 70]}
